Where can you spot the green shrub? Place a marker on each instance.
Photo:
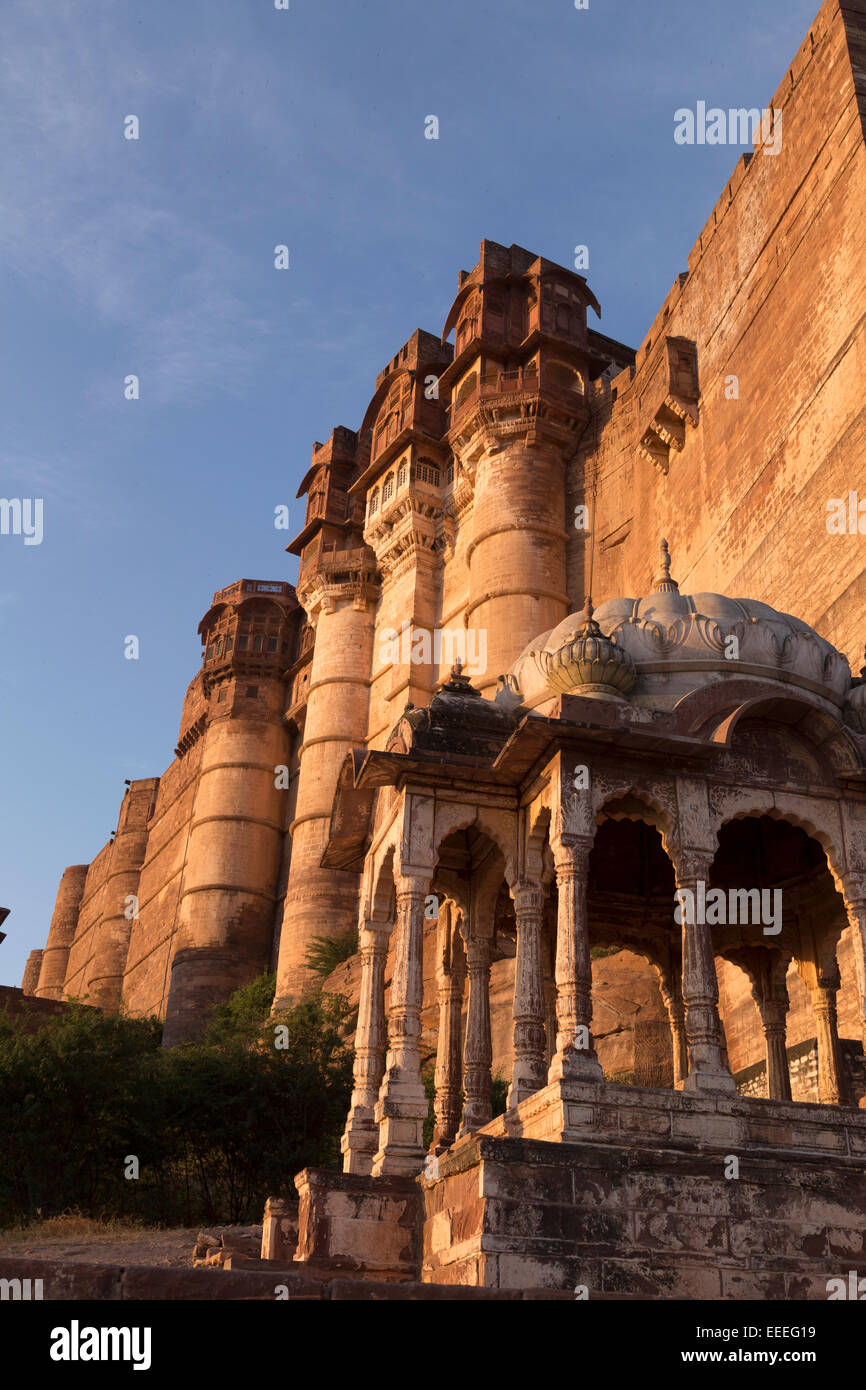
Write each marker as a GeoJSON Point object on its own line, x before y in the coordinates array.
{"type": "Point", "coordinates": [216, 1126]}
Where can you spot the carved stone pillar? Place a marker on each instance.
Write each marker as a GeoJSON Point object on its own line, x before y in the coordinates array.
{"type": "Point", "coordinates": [707, 1069]}
{"type": "Point", "coordinates": [449, 1093]}
{"type": "Point", "coordinates": [832, 1087]}
{"type": "Point", "coordinates": [402, 1105]}
{"type": "Point", "coordinates": [530, 1042]}
{"type": "Point", "coordinates": [767, 971]}
{"type": "Point", "coordinates": [478, 1048]}
{"type": "Point", "coordinates": [575, 1057]}
{"type": "Point", "coordinates": [775, 1025]}
{"type": "Point", "coordinates": [361, 1138]}
{"type": "Point", "coordinates": [855, 902]}
{"type": "Point", "coordinates": [672, 994]}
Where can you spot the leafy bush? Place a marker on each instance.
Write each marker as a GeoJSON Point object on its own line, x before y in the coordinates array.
{"type": "Point", "coordinates": [327, 952]}
{"type": "Point", "coordinates": [216, 1126]}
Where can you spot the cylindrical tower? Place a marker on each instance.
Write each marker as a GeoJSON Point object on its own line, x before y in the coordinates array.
{"type": "Point", "coordinates": [337, 586]}
{"type": "Point", "coordinates": [104, 985]}
{"type": "Point", "coordinates": [320, 901]}
{"type": "Point", "coordinates": [225, 915]}
{"type": "Point", "coordinates": [61, 933]}
{"type": "Point", "coordinates": [30, 978]}
{"type": "Point", "coordinates": [517, 553]}
{"type": "Point", "coordinates": [519, 391]}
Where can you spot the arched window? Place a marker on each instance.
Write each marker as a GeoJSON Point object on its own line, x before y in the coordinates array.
{"type": "Point", "coordinates": [562, 375]}
{"type": "Point", "coordinates": [374, 501]}
{"type": "Point", "coordinates": [388, 489]}
{"type": "Point", "coordinates": [402, 474]}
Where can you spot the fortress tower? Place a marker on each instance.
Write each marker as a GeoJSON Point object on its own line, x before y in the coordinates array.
{"type": "Point", "coordinates": [61, 933]}
{"type": "Point", "coordinates": [236, 831]}
{"type": "Point", "coordinates": [519, 392]}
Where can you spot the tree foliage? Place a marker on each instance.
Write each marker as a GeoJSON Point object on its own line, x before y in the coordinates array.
{"type": "Point", "coordinates": [215, 1126]}
{"type": "Point", "coordinates": [327, 952]}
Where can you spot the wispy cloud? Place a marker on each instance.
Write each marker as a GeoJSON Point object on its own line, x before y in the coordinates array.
{"type": "Point", "coordinates": [98, 221]}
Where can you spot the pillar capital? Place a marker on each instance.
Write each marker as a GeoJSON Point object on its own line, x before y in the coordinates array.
{"type": "Point", "coordinates": [854, 888]}
{"type": "Point", "coordinates": [528, 897]}
{"type": "Point", "coordinates": [692, 865]}
{"type": "Point", "coordinates": [571, 854]}
{"type": "Point", "coordinates": [413, 883]}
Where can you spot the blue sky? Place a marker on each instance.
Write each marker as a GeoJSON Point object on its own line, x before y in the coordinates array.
{"type": "Point", "coordinates": [261, 127]}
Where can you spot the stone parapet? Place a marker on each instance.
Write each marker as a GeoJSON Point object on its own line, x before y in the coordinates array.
{"type": "Point", "coordinates": [601, 1113]}
{"type": "Point", "coordinates": [644, 1218]}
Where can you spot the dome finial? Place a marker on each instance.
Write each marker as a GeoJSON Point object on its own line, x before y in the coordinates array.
{"type": "Point", "coordinates": [663, 584]}
{"type": "Point", "coordinates": [589, 623]}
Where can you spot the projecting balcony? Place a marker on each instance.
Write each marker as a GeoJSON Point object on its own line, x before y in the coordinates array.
{"type": "Point", "coordinates": [341, 566]}
{"type": "Point", "coordinates": [522, 381]}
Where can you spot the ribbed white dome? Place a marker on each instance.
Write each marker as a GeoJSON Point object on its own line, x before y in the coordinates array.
{"type": "Point", "coordinates": [697, 638]}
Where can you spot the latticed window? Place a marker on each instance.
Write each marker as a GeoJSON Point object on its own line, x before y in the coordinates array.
{"type": "Point", "coordinates": [426, 472]}
{"type": "Point", "coordinates": [374, 501]}
{"type": "Point", "coordinates": [402, 472]}
{"type": "Point", "coordinates": [449, 473]}
{"type": "Point", "coordinates": [388, 489]}
{"type": "Point", "coordinates": [467, 390]}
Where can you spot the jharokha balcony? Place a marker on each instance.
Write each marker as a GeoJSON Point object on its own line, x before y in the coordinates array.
{"type": "Point", "coordinates": [558, 382]}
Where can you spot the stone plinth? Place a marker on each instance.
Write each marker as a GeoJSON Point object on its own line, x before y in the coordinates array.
{"type": "Point", "coordinates": [656, 1194]}
{"type": "Point", "coordinates": [279, 1229]}
{"type": "Point", "coordinates": [370, 1226]}
{"type": "Point", "coordinates": [646, 1202]}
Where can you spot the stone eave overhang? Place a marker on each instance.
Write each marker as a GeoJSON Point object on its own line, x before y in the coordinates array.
{"type": "Point", "coordinates": [539, 737]}
{"type": "Point", "coordinates": [381, 769]}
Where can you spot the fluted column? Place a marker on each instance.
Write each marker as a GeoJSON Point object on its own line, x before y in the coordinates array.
{"type": "Point", "coordinates": [361, 1138]}
{"type": "Point", "coordinates": [575, 1056]}
{"type": "Point", "coordinates": [477, 1048]}
{"type": "Point", "coordinates": [774, 1023]}
{"type": "Point", "coordinates": [402, 1105]}
{"type": "Point", "coordinates": [672, 994]}
{"type": "Point", "coordinates": [447, 1103]}
{"type": "Point", "coordinates": [855, 902]}
{"type": "Point", "coordinates": [707, 1069]}
{"type": "Point", "coordinates": [530, 1042]}
{"type": "Point", "coordinates": [832, 1088]}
